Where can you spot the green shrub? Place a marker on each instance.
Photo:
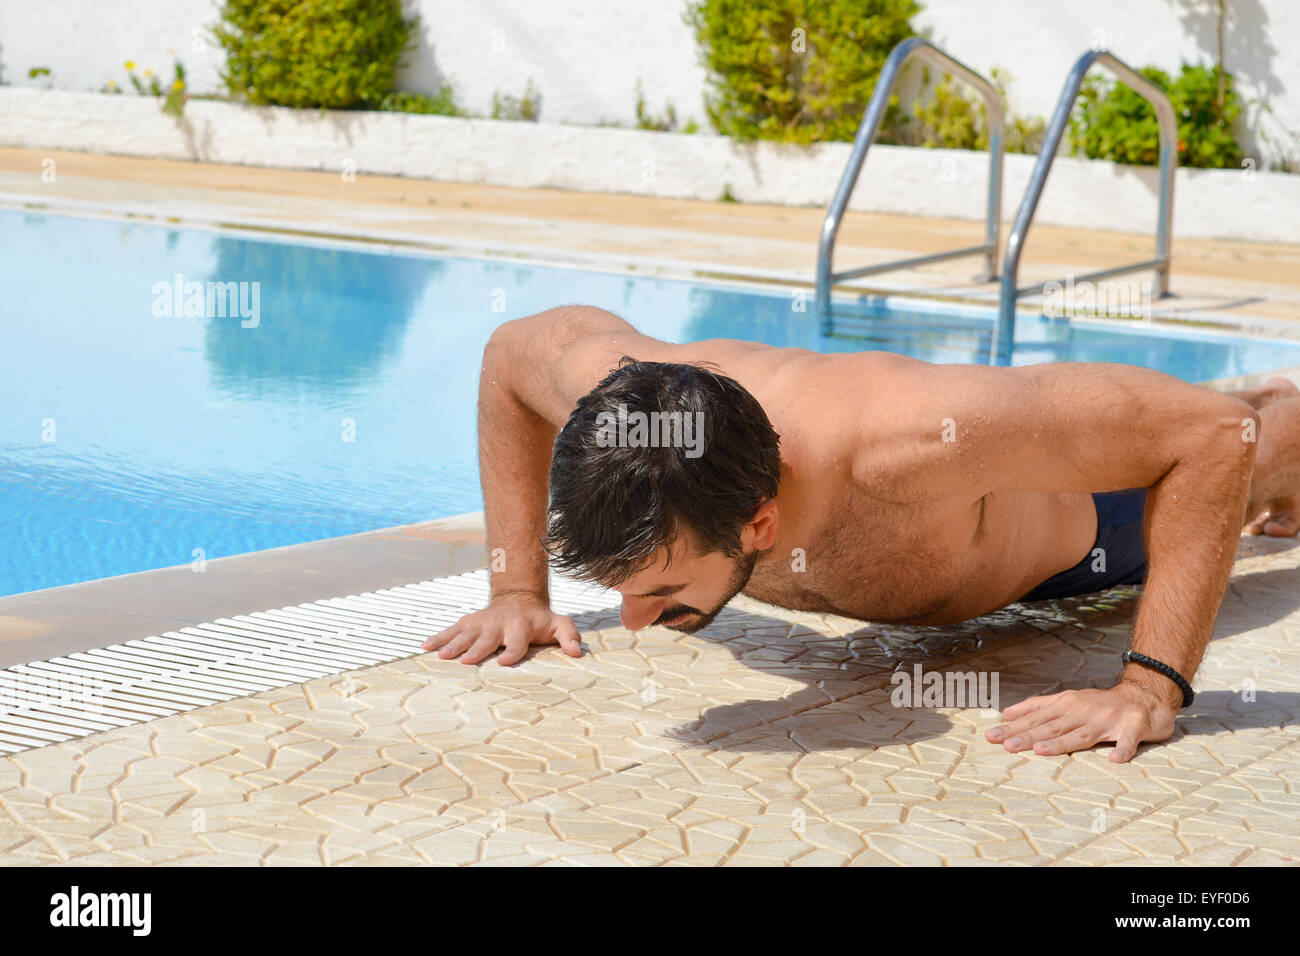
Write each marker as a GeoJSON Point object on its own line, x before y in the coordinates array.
{"type": "Point", "coordinates": [173, 95]}
{"type": "Point", "coordinates": [441, 104]}
{"type": "Point", "coordinates": [667, 123]}
{"type": "Point", "coordinates": [953, 116]}
{"type": "Point", "coordinates": [795, 70]}
{"type": "Point", "coordinates": [1113, 121]}
{"type": "Point", "coordinates": [37, 72]}
{"type": "Point", "coordinates": [1025, 134]}
{"type": "Point", "coordinates": [647, 120]}
{"type": "Point", "coordinates": [524, 108]}
{"type": "Point", "coordinates": [332, 54]}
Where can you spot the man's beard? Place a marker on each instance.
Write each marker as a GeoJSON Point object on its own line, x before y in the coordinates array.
{"type": "Point", "coordinates": [740, 573]}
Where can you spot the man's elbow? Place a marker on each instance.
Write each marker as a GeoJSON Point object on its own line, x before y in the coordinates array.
{"type": "Point", "coordinates": [1233, 427]}
{"type": "Point", "coordinates": [525, 335]}
{"type": "Point", "coordinates": [513, 344]}
{"type": "Point", "coordinates": [540, 340]}
{"type": "Point", "coordinates": [500, 344]}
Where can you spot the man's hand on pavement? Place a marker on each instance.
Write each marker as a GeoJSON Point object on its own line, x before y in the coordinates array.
{"type": "Point", "coordinates": [1127, 714]}
{"type": "Point", "coordinates": [513, 623]}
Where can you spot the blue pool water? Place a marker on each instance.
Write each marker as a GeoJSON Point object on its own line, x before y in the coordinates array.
{"type": "Point", "coordinates": [131, 440]}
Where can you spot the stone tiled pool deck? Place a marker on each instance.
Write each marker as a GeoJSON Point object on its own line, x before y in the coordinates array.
{"type": "Point", "coordinates": [768, 738]}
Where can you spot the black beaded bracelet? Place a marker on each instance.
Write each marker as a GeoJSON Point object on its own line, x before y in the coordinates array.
{"type": "Point", "coordinates": [1162, 668]}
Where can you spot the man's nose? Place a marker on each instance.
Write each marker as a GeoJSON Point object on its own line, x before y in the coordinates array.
{"type": "Point", "coordinates": [636, 613]}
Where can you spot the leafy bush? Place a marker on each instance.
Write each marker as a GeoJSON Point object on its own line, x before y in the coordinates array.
{"type": "Point", "coordinates": [647, 120]}
{"type": "Point", "coordinates": [951, 117]}
{"type": "Point", "coordinates": [795, 70]}
{"type": "Point", "coordinates": [524, 108]}
{"type": "Point", "coordinates": [35, 73]}
{"type": "Point", "coordinates": [954, 117]}
{"type": "Point", "coordinates": [332, 54]}
{"type": "Point", "coordinates": [174, 95]}
{"type": "Point", "coordinates": [1113, 121]}
{"type": "Point", "coordinates": [1024, 134]}
{"type": "Point", "coordinates": [441, 104]}
{"type": "Point", "coordinates": [667, 123]}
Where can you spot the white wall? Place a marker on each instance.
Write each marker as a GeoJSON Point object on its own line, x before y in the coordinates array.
{"type": "Point", "coordinates": [924, 182]}
{"type": "Point", "coordinates": [585, 56]}
{"type": "Point", "coordinates": [85, 42]}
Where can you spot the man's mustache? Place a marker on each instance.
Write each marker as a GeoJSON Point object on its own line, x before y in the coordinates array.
{"type": "Point", "coordinates": [674, 612]}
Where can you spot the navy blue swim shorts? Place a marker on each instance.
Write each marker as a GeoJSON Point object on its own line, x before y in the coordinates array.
{"type": "Point", "coordinates": [1117, 557]}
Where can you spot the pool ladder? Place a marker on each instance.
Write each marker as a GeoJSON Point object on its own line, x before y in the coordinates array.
{"type": "Point", "coordinates": [1009, 292]}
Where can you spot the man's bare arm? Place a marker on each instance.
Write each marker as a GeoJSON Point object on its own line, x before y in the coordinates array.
{"type": "Point", "coordinates": [534, 371]}
{"type": "Point", "coordinates": [1096, 428]}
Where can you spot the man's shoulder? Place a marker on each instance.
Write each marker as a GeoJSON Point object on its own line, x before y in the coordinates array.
{"type": "Point", "coordinates": [810, 372]}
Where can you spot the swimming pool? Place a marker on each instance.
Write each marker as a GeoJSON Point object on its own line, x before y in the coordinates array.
{"type": "Point", "coordinates": [339, 395]}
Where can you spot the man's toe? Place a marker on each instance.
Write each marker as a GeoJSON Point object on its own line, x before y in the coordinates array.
{"type": "Point", "coordinates": [1281, 526]}
{"type": "Point", "coordinates": [1256, 526]}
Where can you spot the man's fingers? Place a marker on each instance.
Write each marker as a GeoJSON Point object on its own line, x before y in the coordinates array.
{"type": "Point", "coordinates": [566, 632]}
{"type": "Point", "coordinates": [1081, 738]}
{"type": "Point", "coordinates": [1076, 720]}
{"type": "Point", "coordinates": [442, 637]}
{"type": "Point", "coordinates": [515, 642]}
{"type": "Point", "coordinates": [1018, 722]}
{"type": "Point", "coordinates": [1126, 743]}
{"type": "Point", "coordinates": [1046, 728]}
{"type": "Point", "coordinates": [458, 644]}
{"type": "Point", "coordinates": [487, 642]}
{"type": "Point", "coordinates": [477, 636]}
{"type": "Point", "coordinates": [1027, 706]}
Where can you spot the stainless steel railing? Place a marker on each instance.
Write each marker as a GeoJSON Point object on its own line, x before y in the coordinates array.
{"type": "Point", "coordinates": [1004, 333]}
{"type": "Point", "coordinates": [922, 49]}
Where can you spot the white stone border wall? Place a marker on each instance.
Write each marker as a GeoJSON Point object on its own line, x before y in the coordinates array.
{"type": "Point", "coordinates": [1230, 204]}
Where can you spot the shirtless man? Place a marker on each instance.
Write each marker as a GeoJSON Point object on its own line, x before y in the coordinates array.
{"type": "Point", "coordinates": [919, 493]}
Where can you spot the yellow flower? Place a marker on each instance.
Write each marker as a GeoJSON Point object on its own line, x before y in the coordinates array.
{"type": "Point", "coordinates": [178, 85]}
{"type": "Point", "coordinates": [130, 64]}
{"type": "Point", "coordinates": [148, 72]}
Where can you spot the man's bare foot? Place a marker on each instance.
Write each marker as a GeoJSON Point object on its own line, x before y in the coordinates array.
{"type": "Point", "coordinates": [1279, 519]}
{"type": "Point", "coordinates": [1274, 389]}
{"type": "Point", "coordinates": [1278, 388]}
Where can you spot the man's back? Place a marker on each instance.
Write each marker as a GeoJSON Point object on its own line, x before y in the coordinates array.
{"type": "Point", "coordinates": [864, 436]}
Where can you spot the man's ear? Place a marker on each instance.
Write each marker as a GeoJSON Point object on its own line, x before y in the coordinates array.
{"type": "Point", "coordinates": [763, 525]}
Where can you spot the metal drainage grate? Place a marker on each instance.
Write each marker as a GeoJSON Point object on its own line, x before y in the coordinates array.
{"type": "Point", "coordinates": [50, 701]}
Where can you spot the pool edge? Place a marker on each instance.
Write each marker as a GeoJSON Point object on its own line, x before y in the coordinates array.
{"type": "Point", "coordinates": [75, 617]}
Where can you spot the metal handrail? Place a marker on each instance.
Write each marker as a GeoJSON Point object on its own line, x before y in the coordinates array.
{"type": "Point", "coordinates": [1004, 333]}
{"type": "Point", "coordinates": [925, 50]}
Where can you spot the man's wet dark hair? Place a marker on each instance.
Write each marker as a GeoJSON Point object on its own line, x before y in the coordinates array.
{"type": "Point", "coordinates": [614, 504]}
